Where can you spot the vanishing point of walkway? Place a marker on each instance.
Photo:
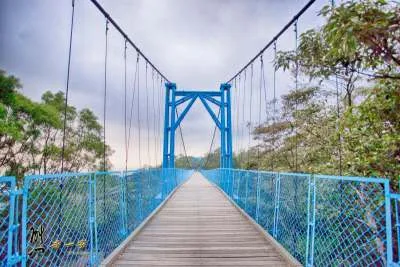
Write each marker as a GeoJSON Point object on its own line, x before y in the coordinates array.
{"type": "Point", "coordinates": [199, 226]}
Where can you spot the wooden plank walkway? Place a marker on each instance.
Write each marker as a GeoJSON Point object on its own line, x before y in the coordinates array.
{"type": "Point", "coordinates": [199, 226]}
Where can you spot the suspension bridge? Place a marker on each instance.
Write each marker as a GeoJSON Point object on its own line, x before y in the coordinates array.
{"type": "Point", "coordinates": [168, 216]}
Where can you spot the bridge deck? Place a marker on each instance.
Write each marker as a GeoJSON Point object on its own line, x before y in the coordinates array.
{"type": "Point", "coordinates": [199, 226]}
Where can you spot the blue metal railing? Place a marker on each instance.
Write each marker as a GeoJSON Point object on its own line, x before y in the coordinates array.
{"type": "Point", "coordinates": [7, 220]}
{"type": "Point", "coordinates": [78, 218]}
{"type": "Point", "coordinates": [395, 201]}
{"type": "Point", "coordinates": [321, 220]}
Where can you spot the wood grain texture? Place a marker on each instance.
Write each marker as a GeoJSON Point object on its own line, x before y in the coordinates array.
{"type": "Point", "coordinates": [199, 226]}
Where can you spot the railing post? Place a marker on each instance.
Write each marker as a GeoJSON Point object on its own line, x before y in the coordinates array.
{"type": "Point", "coordinates": [10, 222]}
{"type": "Point", "coordinates": [140, 194]}
{"type": "Point", "coordinates": [238, 185]}
{"type": "Point", "coordinates": [247, 191]}
{"type": "Point", "coordinates": [25, 221]}
{"type": "Point", "coordinates": [276, 204]}
{"type": "Point", "coordinates": [122, 204]}
{"type": "Point", "coordinates": [221, 178]}
{"type": "Point", "coordinates": [233, 182]}
{"type": "Point", "coordinates": [17, 223]}
{"type": "Point", "coordinates": [389, 260]}
{"type": "Point", "coordinates": [230, 179]}
{"type": "Point", "coordinates": [92, 219]}
{"type": "Point", "coordinates": [163, 183]}
{"type": "Point", "coordinates": [258, 196]}
{"type": "Point", "coordinates": [397, 222]}
{"type": "Point", "coordinates": [224, 171]}
{"type": "Point", "coordinates": [176, 180]}
{"type": "Point", "coordinates": [13, 225]}
{"type": "Point", "coordinates": [311, 199]}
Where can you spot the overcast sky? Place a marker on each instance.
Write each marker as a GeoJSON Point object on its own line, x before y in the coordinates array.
{"type": "Point", "coordinates": [197, 44]}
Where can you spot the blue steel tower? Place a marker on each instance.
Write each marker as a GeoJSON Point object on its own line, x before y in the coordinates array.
{"type": "Point", "coordinates": [175, 98]}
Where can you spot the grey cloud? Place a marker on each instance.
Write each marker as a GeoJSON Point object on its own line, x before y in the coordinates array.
{"type": "Point", "coordinates": [197, 44]}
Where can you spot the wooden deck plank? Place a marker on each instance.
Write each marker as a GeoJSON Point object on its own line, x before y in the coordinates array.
{"type": "Point", "coordinates": [199, 226]}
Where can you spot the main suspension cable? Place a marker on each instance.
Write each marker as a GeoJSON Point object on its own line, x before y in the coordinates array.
{"type": "Point", "coordinates": [276, 37]}
{"type": "Point", "coordinates": [118, 28]}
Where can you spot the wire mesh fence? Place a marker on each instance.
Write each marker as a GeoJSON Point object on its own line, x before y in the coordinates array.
{"type": "Point", "coordinates": [56, 213]}
{"type": "Point", "coordinates": [291, 216]}
{"type": "Point", "coordinates": [109, 212]}
{"type": "Point", "coordinates": [7, 215]}
{"type": "Point", "coordinates": [351, 211]}
{"type": "Point", "coordinates": [321, 220]}
{"type": "Point", "coordinates": [77, 219]}
{"type": "Point", "coordinates": [395, 202]}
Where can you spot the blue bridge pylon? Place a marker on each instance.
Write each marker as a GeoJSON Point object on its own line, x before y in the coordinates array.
{"type": "Point", "coordinates": [172, 120]}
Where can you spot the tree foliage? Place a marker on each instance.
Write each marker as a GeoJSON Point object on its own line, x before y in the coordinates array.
{"type": "Point", "coordinates": [353, 128]}
{"type": "Point", "coordinates": [31, 133]}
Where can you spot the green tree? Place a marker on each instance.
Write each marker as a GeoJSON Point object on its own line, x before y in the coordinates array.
{"type": "Point", "coordinates": [371, 133]}
{"type": "Point", "coordinates": [358, 46]}
{"type": "Point", "coordinates": [21, 120]}
{"type": "Point", "coordinates": [31, 133]}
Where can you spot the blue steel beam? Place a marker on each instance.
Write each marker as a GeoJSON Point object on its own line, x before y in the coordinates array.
{"type": "Point", "coordinates": [223, 129]}
{"type": "Point", "coordinates": [185, 111]}
{"type": "Point", "coordinates": [166, 126]}
{"type": "Point", "coordinates": [175, 97]}
{"type": "Point", "coordinates": [211, 112]}
{"type": "Point", "coordinates": [172, 131]}
{"type": "Point", "coordinates": [227, 87]}
{"type": "Point", "coordinates": [212, 100]}
{"type": "Point", "coordinates": [185, 93]}
{"type": "Point", "coordinates": [183, 100]}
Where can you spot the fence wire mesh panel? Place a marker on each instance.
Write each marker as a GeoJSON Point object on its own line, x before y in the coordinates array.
{"type": "Point", "coordinates": [396, 227]}
{"type": "Point", "coordinates": [266, 200]}
{"type": "Point", "coordinates": [349, 223]}
{"type": "Point", "coordinates": [321, 220]}
{"type": "Point", "coordinates": [291, 217]}
{"type": "Point", "coordinates": [7, 215]}
{"type": "Point", "coordinates": [56, 220]}
{"type": "Point", "coordinates": [250, 202]}
{"type": "Point", "coordinates": [133, 203]}
{"type": "Point", "coordinates": [150, 190]}
{"type": "Point", "coordinates": [109, 212]}
{"type": "Point", "coordinates": [144, 193]}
